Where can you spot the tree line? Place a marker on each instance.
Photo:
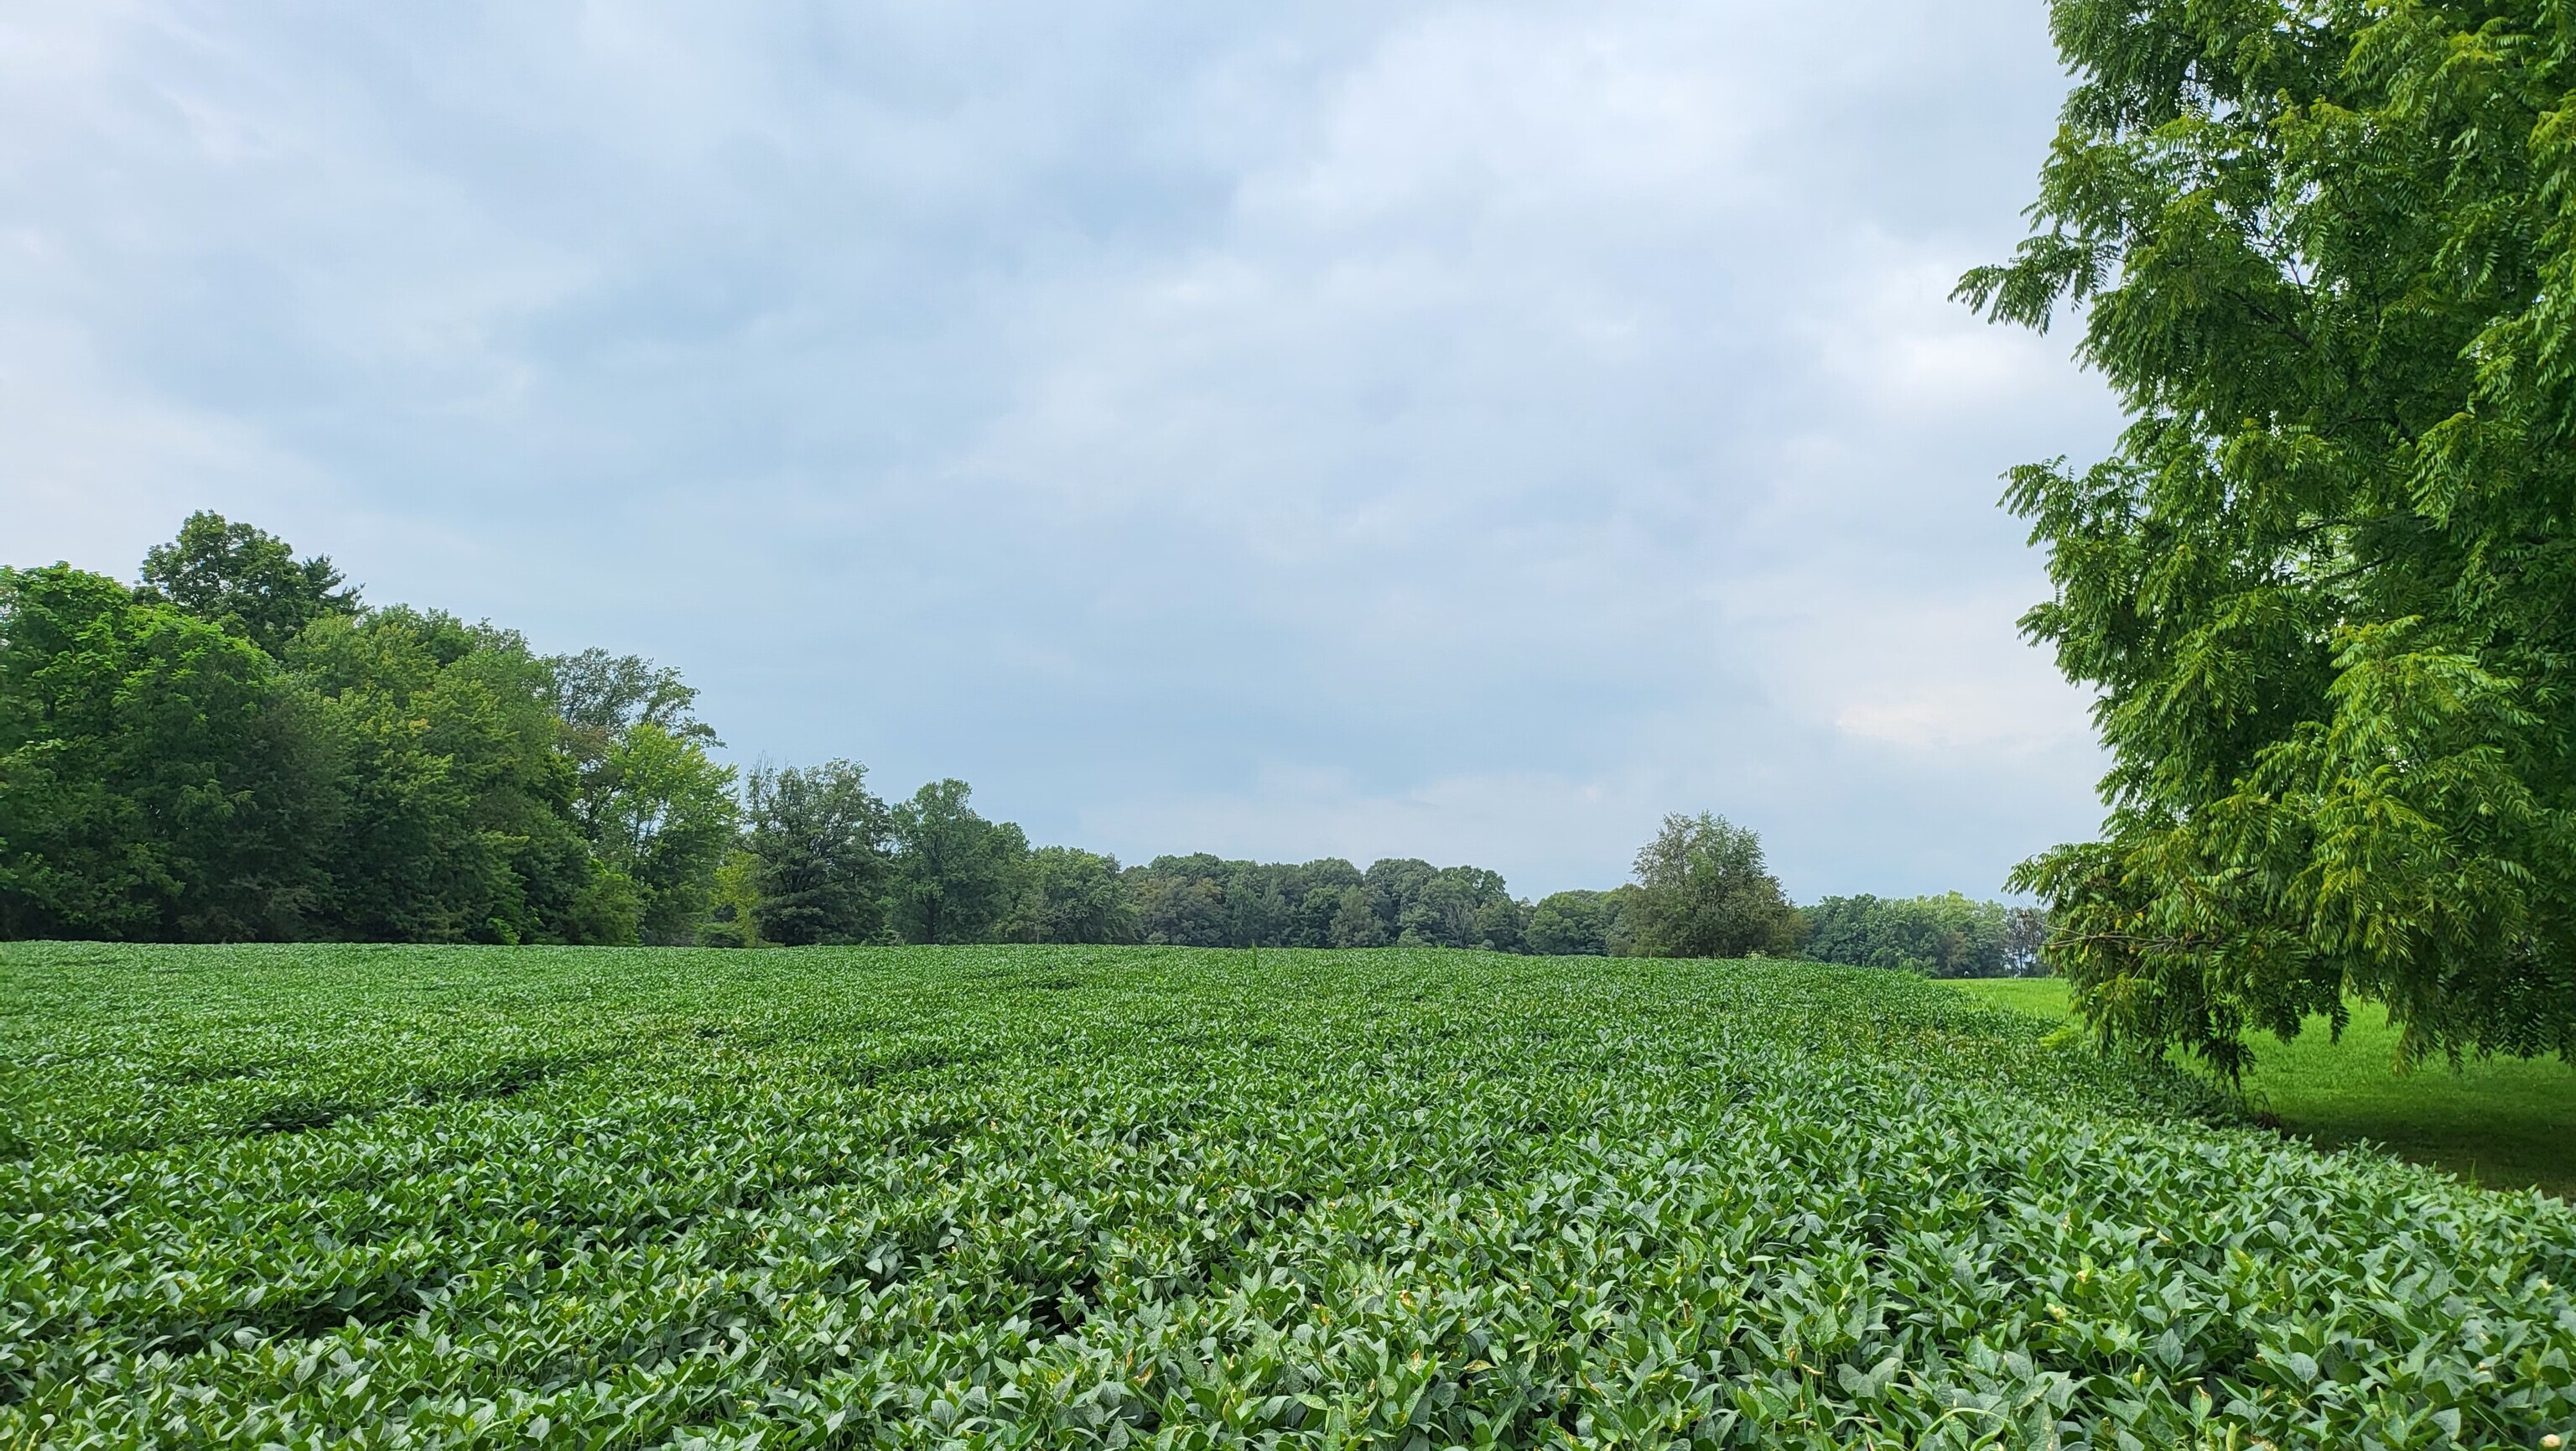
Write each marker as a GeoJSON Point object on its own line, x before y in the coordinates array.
{"type": "Point", "coordinates": [1941, 936]}
{"type": "Point", "coordinates": [238, 747]}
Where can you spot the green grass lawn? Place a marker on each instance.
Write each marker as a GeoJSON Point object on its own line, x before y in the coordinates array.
{"type": "Point", "coordinates": [2502, 1123]}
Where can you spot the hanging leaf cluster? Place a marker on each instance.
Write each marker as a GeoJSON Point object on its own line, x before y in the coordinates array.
{"type": "Point", "coordinates": [2325, 588]}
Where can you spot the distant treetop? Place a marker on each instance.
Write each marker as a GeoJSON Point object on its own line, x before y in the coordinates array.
{"type": "Point", "coordinates": [246, 580]}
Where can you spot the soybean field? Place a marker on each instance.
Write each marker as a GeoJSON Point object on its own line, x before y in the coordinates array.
{"type": "Point", "coordinates": [1033, 1196]}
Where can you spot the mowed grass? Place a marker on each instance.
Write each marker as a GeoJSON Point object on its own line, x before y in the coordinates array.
{"type": "Point", "coordinates": [1035, 1197]}
{"type": "Point", "coordinates": [2503, 1123]}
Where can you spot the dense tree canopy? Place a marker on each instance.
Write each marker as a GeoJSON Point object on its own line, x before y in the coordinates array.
{"type": "Point", "coordinates": [654, 807]}
{"type": "Point", "coordinates": [244, 580]}
{"type": "Point", "coordinates": [2322, 251]}
{"type": "Point", "coordinates": [955, 873]}
{"type": "Point", "coordinates": [1703, 891]}
{"type": "Point", "coordinates": [392, 774]}
{"type": "Point", "coordinates": [1205, 901]}
{"type": "Point", "coordinates": [1580, 923]}
{"type": "Point", "coordinates": [598, 699]}
{"type": "Point", "coordinates": [818, 842]}
{"type": "Point", "coordinates": [158, 776]}
{"type": "Point", "coordinates": [457, 823]}
{"type": "Point", "coordinates": [1943, 936]}
{"type": "Point", "coordinates": [666, 825]}
{"type": "Point", "coordinates": [1071, 895]}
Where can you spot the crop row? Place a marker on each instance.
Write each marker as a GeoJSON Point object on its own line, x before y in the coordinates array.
{"type": "Point", "coordinates": [1004, 1197]}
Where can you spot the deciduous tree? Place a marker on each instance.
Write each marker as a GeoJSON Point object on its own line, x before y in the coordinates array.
{"type": "Point", "coordinates": [159, 778]}
{"type": "Point", "coordinates": [459, 819]}
{"type": "Point", "coordinates": [244, 580]}
{"type": "Point", "coordinates": [2325, 253]}
{"type": "Point", "coordinates": [818, 836]}
{"type": "Point", "coordinates": [653, 805]}
{"type": "Point", "coordinates": [954, 872]}
{"type": "Point", "coordinates": [1569, 924]}
{"type": "Point", "coordinates": [666, 824]}
{"type": "Point", "coordinates": [1941, 936]}
{"type": "Point", "coordinates": [1703, 891]}
{"type": "Point", "coordinates": [1071, 895]}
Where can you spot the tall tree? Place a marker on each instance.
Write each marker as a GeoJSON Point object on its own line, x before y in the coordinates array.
{"type": "Point", "coordinates": [954, 872]}
{"type": "Point", "coordinates": [1395, 883]}
{"type": "Point", "coordinates": [2326, 255]}
{"type": "Point", "coordinates": [460, 823]}
{"type": "Point", "coordinates": [1356, 921]}
{"type": "Point", "coordinates": [667, 825]}
{"type": "Point", "coordinates": [1569, 924]}
{"type": "Point", "coordinates": [1462, 907]}
{"type": "Point", "coordinates": [652, 804]}
{"type": "Point", "coordinates": [1315, 891]}
{"type": "Point", "coordinates": [159, 778]}
{"type": "Point", "coordinates": [1071, 895]}
{"type": "Point", "coordinates": [1703, 891]}
{"type": "Point", "coordinates": [601, 697]}
{"type": "Point", "coordinates": [1203, 901]}
{"type": "Point", "coordinates": [245, 580]}
{"type": "Point", "coordinates": [733, 916]}
{"type": "Point", "coordinates": [1180, 901]}
{"type": "Point", "coordinates": [236, 748]}
{"type": "Point", "coordinates": [818, 836]}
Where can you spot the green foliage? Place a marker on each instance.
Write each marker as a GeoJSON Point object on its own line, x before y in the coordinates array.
{"type": "Point", "coordinates": [458, 819]}
{"type": "Point", "coordinates": [1570, 924]}
{"type": "Point", "coordinates": [733, 915]}
{"type": "Point", "coordinates": [954, 872]}
{"type": "Point", "coordinates": [238, 750]}
{"type": "Point", "coordinates": [1182, 905]}
{"type": "Point", "coordinates": [653, 807]}
{"type": "Point", "coordinates": [1703, 891]}
{"type": "Point", "coordinates": [599, 697]}
{"type": "Point", "coordinates": [1073, 1197]}
{"type": "Point", "coordinates": [607, 910]}
{"type": "Point", "coordinates": [818, 838]}
{"type": "Point", "coordinates": [1395, 887]}
{"type": "Point", "coordinates": [1459, 907]}
{"type": "Point", "coordinates": [2323, 253]}
{"type": "Point", "coordinates": [1202, 901]}
{"type": "Point", "coordinates": [1071, 895]}
{"type": "Point", "coordinates": [666, 823]}
{"type": "Point", "coordinates": [1944, 936]}
{"type": "Point", "coordinates": [1356, 921]}
{"type": "Point", "coordinates": [2499, 1123]}
{"type": "Point", "coordinates": [244, 580]}
{"type": "Point", "coordinates": [158, 778]}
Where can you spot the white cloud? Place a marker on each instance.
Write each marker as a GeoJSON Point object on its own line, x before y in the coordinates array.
{"type": "Point", "coordinates": [1463, 431]}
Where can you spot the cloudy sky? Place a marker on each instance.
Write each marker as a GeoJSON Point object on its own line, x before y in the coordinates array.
{"type": "Point", "coordinates": [1459, 431]}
